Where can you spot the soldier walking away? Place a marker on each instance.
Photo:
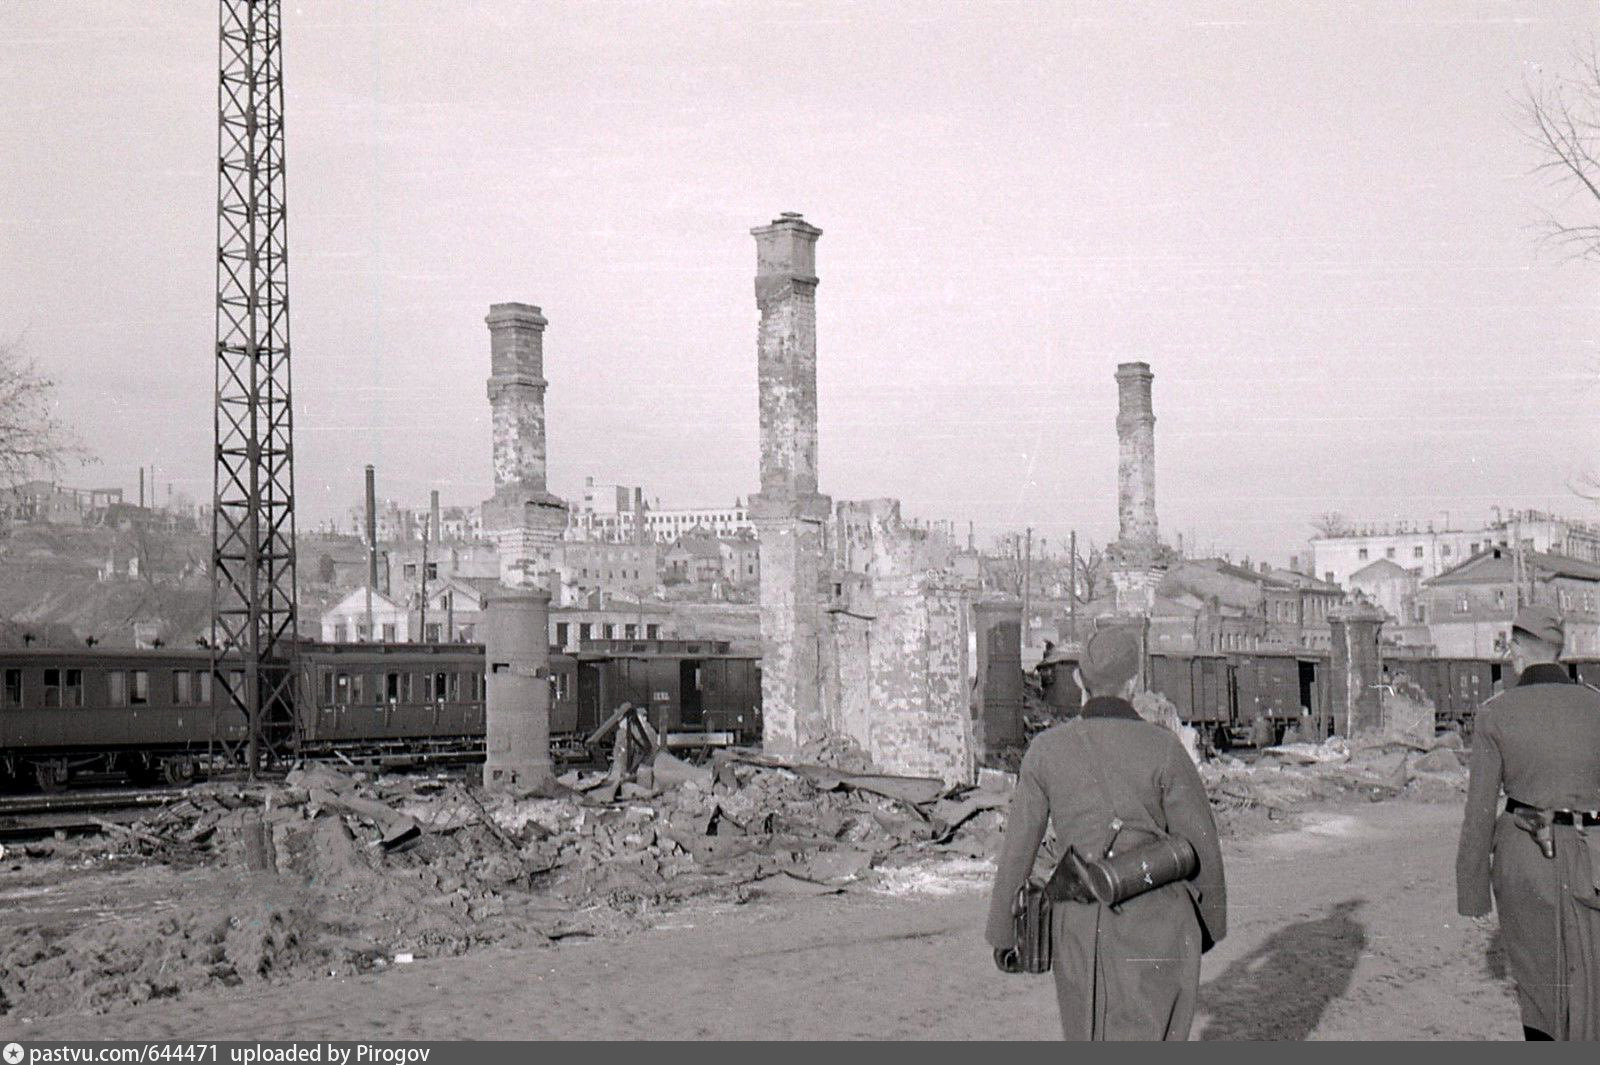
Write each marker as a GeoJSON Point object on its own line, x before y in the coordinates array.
{"type": "Point", "coordinates": [1539, 742]}
{"type": "Point", "coordinates": [1131, 971]}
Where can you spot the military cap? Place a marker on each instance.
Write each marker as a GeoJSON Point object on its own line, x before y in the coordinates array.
{"type": "Point", "coordinates": [1541, 622]}
{"type": "Point", "coordinates": [1110, 659]}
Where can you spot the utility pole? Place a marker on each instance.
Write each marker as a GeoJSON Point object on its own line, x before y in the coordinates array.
{"type": "Point", "coordinates": [1072, 597]}
{"type": "Point", "coordinates": [372, 543]}
{"type": "Point", "coordinates": [1027, 582]}
{"type": "Point", "coordinates": [422, 610]}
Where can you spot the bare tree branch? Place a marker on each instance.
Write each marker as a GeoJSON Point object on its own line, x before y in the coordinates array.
{"type": "Point", "coordinates": [33, 438]}
{"type": "Point", "coordinates": [1560, 118]}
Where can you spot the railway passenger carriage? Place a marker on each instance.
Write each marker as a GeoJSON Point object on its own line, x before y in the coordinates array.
{"type": "Point", "coordinates": [67, 712]}
{"type": "Point", "coordinates": [145, 713]}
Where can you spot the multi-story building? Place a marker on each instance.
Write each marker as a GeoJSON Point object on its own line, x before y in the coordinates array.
{"type": "Point", "coordinates": [696, 558]}
{"type": "Point", "coordinates": [667, 526]}
{"type": "Point", "coordinates": [1469, 608]}
{"type": "Point", "coordinates": [611, 568]}
{"type": "Point", "coordinates": [741, 560]}
{"type": "Point", "coordinates": [1427, 551]}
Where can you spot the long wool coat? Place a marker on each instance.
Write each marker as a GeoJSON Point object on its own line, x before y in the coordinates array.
{"type": "Point", "coordinates": [1131, 973]}
{"type": "Point", "coordinates": [1539, 743]}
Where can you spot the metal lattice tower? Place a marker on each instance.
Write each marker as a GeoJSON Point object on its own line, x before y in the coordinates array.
{"type": "Point", "coordinates": [252, 562]}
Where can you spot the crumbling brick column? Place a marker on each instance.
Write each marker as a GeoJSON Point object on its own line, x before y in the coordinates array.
{"type": "Point", "coordinates": [788, 512]}
{"type": "Point", "coordinates": [517, 691]}
{"type": "Point", "coordinates": [998, 697]}
{"type": "Point", "coordinates": [1136, 457]}
{"type": "Point", "coordinates": [1137, 561]}
{"type": "Point", "coordinates": [523, 518]}
{"type": "Point", "coordinates": [1356, 669]}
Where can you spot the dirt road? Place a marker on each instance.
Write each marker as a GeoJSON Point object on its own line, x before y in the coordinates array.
{"type": "Point", "coordinates": [1344, 928]}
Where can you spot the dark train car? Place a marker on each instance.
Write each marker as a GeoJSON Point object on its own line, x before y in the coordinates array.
{"type": "Point", "coordinates": [375, 696]}
{"type": "Point", "coordinates": [1285, 687]}
{"type": "Point", "coordinates": [1457, 686]}
{"type": "Point", "coordinates": [690, 687]}
{"type": "Point", "coordinates": [1200, 686]}
{"type": "Point", "coordinates": [65, 712]}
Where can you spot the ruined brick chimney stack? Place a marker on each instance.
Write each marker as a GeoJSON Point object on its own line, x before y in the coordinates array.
{"type": "Point", "coordinates": [786, 294]}
{"type": "Point", "coordinates": [1136, 458]}
{"type": "Point", "coordinates": [516, 394]}
{"type": "Point", "coordinates": [788, 512]}
{"type": "Point", "coordinates": [522, 517]}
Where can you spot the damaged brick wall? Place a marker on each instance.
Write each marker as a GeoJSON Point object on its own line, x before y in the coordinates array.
{"type": "Point", "coordinates": [522, 517]}
{"type": "Point", "coordinates": [1356, 670]}
{"type": "Point", "coordinates": [863, 632]}
{"type": "Point", "coordinates": [900, 622]}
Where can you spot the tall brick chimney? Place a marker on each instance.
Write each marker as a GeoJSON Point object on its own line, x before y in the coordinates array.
{"type": "Point", "coordinates": [786, 288]}
{"type": "Point", "coordinates": [522, 517]}
{"type": "Point", "coordinates": [788, 512]}
{"type": "Point", "coordinates": [1136, 457]}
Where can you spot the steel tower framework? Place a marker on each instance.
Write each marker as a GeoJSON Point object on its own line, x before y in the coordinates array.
{"type": "Point", "coordinates": [253, 600]}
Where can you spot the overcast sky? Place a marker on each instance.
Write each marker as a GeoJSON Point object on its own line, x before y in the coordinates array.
{"type": "Point", "coordinates": [1315, 224]}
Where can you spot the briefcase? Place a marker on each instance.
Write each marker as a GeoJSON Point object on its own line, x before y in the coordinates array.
{"type": "Point", "coordinates": [1031, 918]}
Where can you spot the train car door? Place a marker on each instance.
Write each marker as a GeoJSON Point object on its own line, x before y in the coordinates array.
{"type": "Point", "coordinates": [1310, 690]}
{"type": "Point", "coordinates": [1171, 677]}
{"type": "Point", "coordinates": [691, 692]}
{"type": "Point", "coordinates": [590, 697]}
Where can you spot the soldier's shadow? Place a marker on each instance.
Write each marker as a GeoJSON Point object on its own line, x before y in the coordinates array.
{"type": "Point", "coordinates": [1281, 989]}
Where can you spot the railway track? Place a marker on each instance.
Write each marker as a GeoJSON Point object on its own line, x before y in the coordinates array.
{"type": "Point", "coordinates": [24, 817]}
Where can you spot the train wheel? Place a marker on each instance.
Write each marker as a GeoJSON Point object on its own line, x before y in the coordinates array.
{"type": "Point", "coordinates": [51, 776]}
{"type": "Point", "coordinates": [142, 772]}
{"type": "Point", "coordinates": [178, 770]}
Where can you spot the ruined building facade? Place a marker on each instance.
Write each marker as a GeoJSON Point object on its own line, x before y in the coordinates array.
{"type": "Point", "coordinates": [523, 518]}
{"type": "Point", "coordinates": [863, 623]}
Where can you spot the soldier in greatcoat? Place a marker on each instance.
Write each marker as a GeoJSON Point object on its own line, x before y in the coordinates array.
{"type": "Point", "coordinates": [1132, 972]}
{"type": "Point", "coordinates": [1539, 743]}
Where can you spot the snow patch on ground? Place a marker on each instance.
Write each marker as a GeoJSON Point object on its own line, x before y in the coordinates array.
{"type": "Point", "coordinates": [937, 876]}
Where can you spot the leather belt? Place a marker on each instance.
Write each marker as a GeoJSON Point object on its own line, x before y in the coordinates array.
{"type": "Point", "coordinates": [1559, 817]}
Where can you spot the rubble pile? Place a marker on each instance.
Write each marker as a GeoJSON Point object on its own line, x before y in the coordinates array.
{"type": "Point", "coordinates": [339, 872]}
{"type": "Point", "coordinates": [1371, 769]}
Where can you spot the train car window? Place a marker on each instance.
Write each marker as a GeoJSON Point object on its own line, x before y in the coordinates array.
{"type": "Point", "coordinates": [202, 687]}
{"type": "Point", "coordinates": [72, 687]}
{"type": "Point", "coordinates": [437, 692]}
{"type": "Point", "coordinates": [378, 692]}
{"type": "Point", "coordinates": [181, 691]}
{"type": "Point", "coordinates": [342, 688]}
{"type": "Point", "coordinates": [358, 689]}
{"type": "Point", "coordinates": [408, 690]}
{"type": "Point", "coordinates": [138, 687]}
{"type": "Point", "coordinates": [117, 687]}
{"type": "Point", "coordinates": [454, 680]}
{"type": "Point", "coordinates": [52, 689]}
{"type": "Point", "coordinates": [327, 686]}
{"type": "Point", "coordinates": [391, 687]}
{"type": "Point", "coordinates": [13, 687]}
